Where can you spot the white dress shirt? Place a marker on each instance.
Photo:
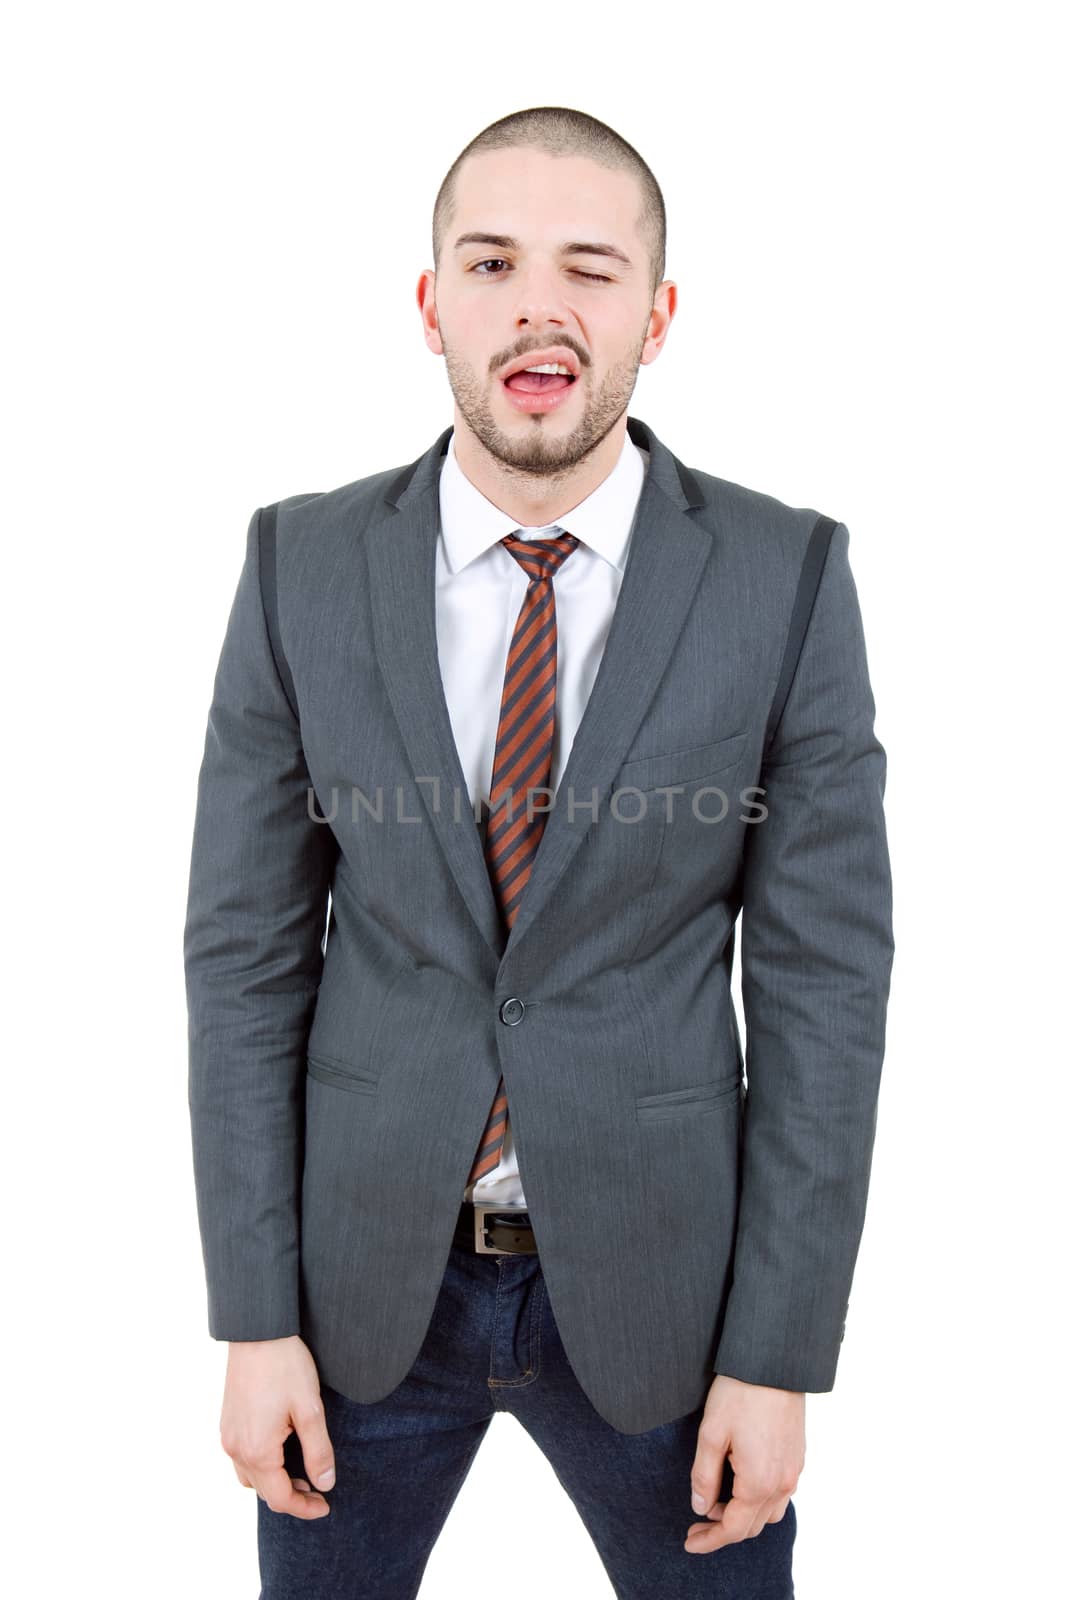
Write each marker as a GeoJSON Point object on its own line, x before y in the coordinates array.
{"type": "Point", "coordinates": [480, 589]}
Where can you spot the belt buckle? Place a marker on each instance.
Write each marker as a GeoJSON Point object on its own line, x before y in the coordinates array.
{"type": "Point", "coordinates": [480, 1213]}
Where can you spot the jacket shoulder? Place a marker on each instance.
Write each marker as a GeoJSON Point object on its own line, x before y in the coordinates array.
{"type": "Point", "coordinates": [344, 512]}
{"type": "Point", "coordinates": [327, 504]}
{"type": "Point", "coordinates": [759, 525]}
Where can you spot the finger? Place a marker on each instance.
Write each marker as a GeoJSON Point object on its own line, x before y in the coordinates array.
{"type": "Point", "coordinates": [276, 1487]}
{"type": "Point", "coordinates": [736, 1524]}
{"type": "Point", "coordinates": [778, 1509]}
{"type": "Point", "coordinates": [705, 1480]}
{"type": "Point", "coordinates": [302, 1486]}
{"type": "Point", "coordinates": [309, 1421]}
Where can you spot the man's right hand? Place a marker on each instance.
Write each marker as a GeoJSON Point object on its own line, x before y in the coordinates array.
{"type": "Point", "coordinates": [272, 1389]}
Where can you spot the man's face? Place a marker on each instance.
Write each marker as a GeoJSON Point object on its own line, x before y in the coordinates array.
{"type": "Point", "coordinates": [494, 303]}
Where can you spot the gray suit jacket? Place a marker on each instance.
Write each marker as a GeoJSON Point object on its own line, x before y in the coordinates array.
{"type": "Point", "coordinates": [346, 977]}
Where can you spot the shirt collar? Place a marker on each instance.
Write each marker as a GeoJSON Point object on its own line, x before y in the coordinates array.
{"type": "Point", "coordinates": [471, 523]}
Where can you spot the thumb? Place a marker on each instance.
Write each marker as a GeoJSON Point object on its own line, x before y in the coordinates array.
{"type": "Point", "coordinates": [706, 1481]}
{"type": "Point", "coordinates": [315, 1446]}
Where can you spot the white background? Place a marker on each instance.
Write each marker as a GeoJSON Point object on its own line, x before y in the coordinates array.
{"type": "Point", "coordinates": [217, 216]}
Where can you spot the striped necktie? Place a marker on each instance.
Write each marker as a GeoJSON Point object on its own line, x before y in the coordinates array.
{"type": "Point", "coordinates": [522, 762]}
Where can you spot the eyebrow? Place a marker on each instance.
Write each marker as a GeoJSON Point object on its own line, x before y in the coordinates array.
{"type": "Point", "coordinates": [504, 241]}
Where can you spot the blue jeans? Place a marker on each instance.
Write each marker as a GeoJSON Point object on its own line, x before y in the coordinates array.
{"type": "Point", "coordinates": [492, 1345]}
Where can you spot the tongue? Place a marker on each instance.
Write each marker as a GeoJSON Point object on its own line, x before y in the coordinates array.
{"type": "Point", "coordinates": [533, 382]}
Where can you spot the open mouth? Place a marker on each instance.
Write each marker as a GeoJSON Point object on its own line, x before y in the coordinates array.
{"type": "Point", "coordinates": [539, 392]}
{"type": "Point", "coordinates": [538, 382]}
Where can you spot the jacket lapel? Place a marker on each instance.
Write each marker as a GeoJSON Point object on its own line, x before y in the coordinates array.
{"type": "Point", "coordinates": [667, 555]}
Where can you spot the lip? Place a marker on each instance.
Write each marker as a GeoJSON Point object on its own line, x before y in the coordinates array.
{"type": "Point", "coordinates": [553, 398]}
{"type": "Point", "coordinates": [558, 353]}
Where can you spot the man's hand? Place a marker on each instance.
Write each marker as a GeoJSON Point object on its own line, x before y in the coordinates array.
{"type": "Point", "coordinates": [272, 1389]}
{"type": "Point", "coordinates": [762, 1431]}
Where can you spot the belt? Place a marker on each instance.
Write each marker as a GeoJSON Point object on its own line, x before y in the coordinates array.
{"type": "Point", "coordinates": [494, 1230]}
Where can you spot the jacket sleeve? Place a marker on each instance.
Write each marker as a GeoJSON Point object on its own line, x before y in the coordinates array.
{"type": "Point", "coordinates": [816, 954]}
{"type": "Point", "coordinates": [254, 938]}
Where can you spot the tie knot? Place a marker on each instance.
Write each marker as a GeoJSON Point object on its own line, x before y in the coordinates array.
{"type": "Point", "coordinates": [540, 558]}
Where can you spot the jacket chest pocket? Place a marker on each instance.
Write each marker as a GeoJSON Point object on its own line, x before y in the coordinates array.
{"type": "Point", "coordinates": [688, 1102]}
{"type": "Point", "coordinates": [700, 761]}
{"type": "Point", "coordinates": [342, 1075]}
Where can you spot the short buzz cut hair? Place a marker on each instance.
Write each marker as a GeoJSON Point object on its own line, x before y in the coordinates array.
{"type": "Point", "coordinates": [561, 131]}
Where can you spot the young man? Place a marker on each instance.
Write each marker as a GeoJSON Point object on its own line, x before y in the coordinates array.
{"type": "Point", "coordinates": [501, 744]}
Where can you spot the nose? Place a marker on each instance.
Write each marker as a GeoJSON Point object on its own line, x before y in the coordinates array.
{"type": "Point", "coordinates": [539, 298]}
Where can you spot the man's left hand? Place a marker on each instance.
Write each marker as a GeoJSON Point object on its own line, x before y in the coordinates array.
{"type": "Point", "coordinates": [762, 1431]}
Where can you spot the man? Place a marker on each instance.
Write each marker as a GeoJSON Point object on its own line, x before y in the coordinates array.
{"type": "Point", "coordinates": [501, 744]}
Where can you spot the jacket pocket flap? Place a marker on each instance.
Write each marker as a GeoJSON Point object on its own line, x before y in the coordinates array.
{"type": "Point", "coordinates": [329, 1069]}
{"type": "Point", "coordinates": [680, 766]}
{"type": "Point", "coordinates": [676, 1102]}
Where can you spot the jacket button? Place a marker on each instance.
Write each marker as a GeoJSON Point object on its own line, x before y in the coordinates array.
{"type": "Point", "coordinates": [512, 1011]}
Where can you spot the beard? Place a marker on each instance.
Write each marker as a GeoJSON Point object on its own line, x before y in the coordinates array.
{"type": "Point", "coordinates": [529, 449]}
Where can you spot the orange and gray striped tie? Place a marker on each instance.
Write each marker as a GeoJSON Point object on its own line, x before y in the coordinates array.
{"type": "Point", "coordinates": [522, 762]}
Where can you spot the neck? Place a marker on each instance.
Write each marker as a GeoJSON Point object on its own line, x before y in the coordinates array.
{"type": "Point", "coordinates": [535, 499]}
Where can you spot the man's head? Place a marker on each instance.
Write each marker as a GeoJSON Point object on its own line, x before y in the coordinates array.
{"type": "Point", "coordinates": [509, 284]}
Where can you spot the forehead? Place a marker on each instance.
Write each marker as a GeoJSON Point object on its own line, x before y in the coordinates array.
{"type": "Point", "coordinates": [527, 192]}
